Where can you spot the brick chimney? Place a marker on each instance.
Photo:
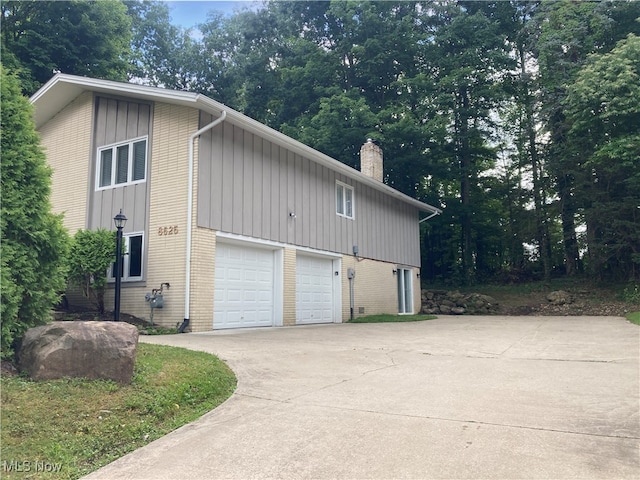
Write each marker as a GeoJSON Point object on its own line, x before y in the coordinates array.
{"type": "Point", "coordinates": [371, 160]}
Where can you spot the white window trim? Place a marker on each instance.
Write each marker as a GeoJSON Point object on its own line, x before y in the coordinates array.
{"type": "Point", "coordinates": [114, 162]}
{"type": "Point", "coordinates": [345, 187]}
{"type": "Point", "coordinates": [126, 260]}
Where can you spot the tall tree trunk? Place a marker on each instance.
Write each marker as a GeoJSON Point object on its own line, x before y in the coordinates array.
{"type": "Point", "coordinates": [567, 214]}
{"type": "Point", "coordinates": [464, 157]}
{"type": "Point", "coordinates": [542, 226]}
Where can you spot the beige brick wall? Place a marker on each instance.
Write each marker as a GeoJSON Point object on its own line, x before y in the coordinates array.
{"type": "Point", "coordinates": [417, 293]}
{"type": "Point", "coordinates": [166, 259]}
{"type": "Point", "coordinates": [289, 293]}
{"type": "Point", "coordinates": [203, 255]}
{"type": "Point", "coordinates": [66, 139]}
{"type": "Point", "coordinates": [375, 288]}
{"type": "Point", "coordinates": [67, 142]}
{"type": "Point", "coordinates": [202, 279]}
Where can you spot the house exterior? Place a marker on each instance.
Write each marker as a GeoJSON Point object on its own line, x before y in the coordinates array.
{"type": "Point", "coordinates": [247, 226]}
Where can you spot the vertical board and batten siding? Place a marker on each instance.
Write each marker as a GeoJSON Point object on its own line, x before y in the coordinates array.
{"type": "Point", "coordinates": [250, 186]}
{"type": "Point", "coordinates": [117, 121]}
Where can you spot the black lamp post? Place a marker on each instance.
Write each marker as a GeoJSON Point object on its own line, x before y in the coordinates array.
{"type": "Point", "coordinates": [119, 220]}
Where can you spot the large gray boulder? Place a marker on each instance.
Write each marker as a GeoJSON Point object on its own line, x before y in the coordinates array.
{"type": "Point", "coordinates": [80, 349]}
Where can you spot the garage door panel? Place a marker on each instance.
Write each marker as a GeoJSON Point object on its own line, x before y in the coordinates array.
{"type": "Point", "coordinates": [314, 289]}
{"type": "Point", "coordinates": [244, 293]}
{"type": "Point", "coordinates": [234, 296]}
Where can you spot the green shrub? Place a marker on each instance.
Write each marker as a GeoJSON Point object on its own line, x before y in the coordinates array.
{"type": "Point", "coordinates": [92, 253]}
{"type": "Point", "coordinates": [34, 241]}
{"type": "Point", "coordinates": [631, 294]}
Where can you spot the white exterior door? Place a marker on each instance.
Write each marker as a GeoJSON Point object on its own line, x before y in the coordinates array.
{"type": "Point", "coordinates": [315, 298]}
{"type": "Point", "coordinates": [244, 287]}
{"type": "Point", "coordinates": [405, 291]}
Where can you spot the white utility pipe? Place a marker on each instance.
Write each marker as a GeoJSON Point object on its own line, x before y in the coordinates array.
{"type": "Point", "coordinates": [192, 138]}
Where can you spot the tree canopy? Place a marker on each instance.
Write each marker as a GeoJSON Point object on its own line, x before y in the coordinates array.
{"type": "Point", "coordinates": [483, 108]}
{"type": "Point", "coordinates": [604, 113]}
{"type": "Point", "coordinates": [75, 36]}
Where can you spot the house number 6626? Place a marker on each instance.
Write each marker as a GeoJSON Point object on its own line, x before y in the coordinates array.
{"type": "Point", "coordinates": [170, 230]}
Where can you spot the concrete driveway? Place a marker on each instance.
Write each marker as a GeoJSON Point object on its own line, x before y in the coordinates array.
{"type": "Point", "coordinates": [458, 397]}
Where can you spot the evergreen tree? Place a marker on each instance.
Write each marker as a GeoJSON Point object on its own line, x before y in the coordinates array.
{"type": "Point", "coordinates": [34, 242]}
{"type": "Point", "coordinates": [469, 55]}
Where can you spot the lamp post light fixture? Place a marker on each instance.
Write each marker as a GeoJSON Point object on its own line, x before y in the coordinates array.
{"type": "Point", "coordinates": [119, 221]}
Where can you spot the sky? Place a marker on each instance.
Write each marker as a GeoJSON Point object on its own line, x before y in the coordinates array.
{"type": "Point", "coordinates": [187, 13]}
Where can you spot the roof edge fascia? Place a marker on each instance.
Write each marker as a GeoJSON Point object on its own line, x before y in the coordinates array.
{"type": "Point", "coordinates": [96, 84]}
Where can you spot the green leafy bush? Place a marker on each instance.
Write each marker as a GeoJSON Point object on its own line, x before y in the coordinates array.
{"type": "Point", "coordinates": [34, 241]}
{"type": "Point", "coordinates": [631, 294]}
{"type": "Point", "coordinates": [92, 253]}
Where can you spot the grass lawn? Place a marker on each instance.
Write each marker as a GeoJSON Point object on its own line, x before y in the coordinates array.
{"type": "Point", "coordinates": [392, 318]}
{"type": "Point", "coordinates": [634, 317]}
{"type": "Point", "coordinates": [72, 427]}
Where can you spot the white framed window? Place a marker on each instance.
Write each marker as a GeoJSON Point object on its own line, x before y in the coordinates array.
{"type": "Point", "coordinates": [122, 164]}
{"type": "Point", "coordinates": [344, 200]}
{"type": "Point", "coordinates": [133, 259]}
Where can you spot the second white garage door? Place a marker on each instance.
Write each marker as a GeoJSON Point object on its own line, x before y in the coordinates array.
{"type": "Point", "coordinates": [315, 299]}
{"type": "Point", "coordinates": [244, 287]}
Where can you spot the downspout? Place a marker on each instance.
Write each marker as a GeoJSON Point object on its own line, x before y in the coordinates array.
{"type": "Point", "coordinates": [437, 212]}
{"type": "Point", "coordinates": [187, 289]}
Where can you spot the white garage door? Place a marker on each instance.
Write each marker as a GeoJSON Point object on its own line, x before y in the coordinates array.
{"type": "Point", "coordinates": [244, 282]}
{"type": "Point", "coordinates": [314, 289]}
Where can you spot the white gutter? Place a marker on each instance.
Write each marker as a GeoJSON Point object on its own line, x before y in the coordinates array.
{"type": "Point", "coordinates": [192, 138]}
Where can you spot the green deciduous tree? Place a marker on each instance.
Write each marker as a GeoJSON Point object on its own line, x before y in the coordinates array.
{"type": "Point", "coordinates": [166, 55]}
{"type": "Point", "coordinates": [34, 242]}
{"type": "Point", "coordinates": [78, 37]}
{"type": "Point", "coordinates": [569, 32]}
{"type": "Point", "coordinates": [92, 254]}
{"type": "Point", "coordinates": [604, 111]}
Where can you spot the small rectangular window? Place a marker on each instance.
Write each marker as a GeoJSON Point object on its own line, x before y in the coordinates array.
{"type": "Point", "coordinates": [139, 160]}
{"type": "Point", "coordinates": [122, 164]}
{"type": "Point", "coordinates": [135, 256]}
{"type": "Point", "coordinates": [122, 167]}
{"type": "Point", "coordinates": [105, 168]}
{"type": "Point", "coordinates": [132, 259]}
{"type": "Point", "coordinates": [340, 199]}
{"type": "Point", "coordinates": [344, 200]}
